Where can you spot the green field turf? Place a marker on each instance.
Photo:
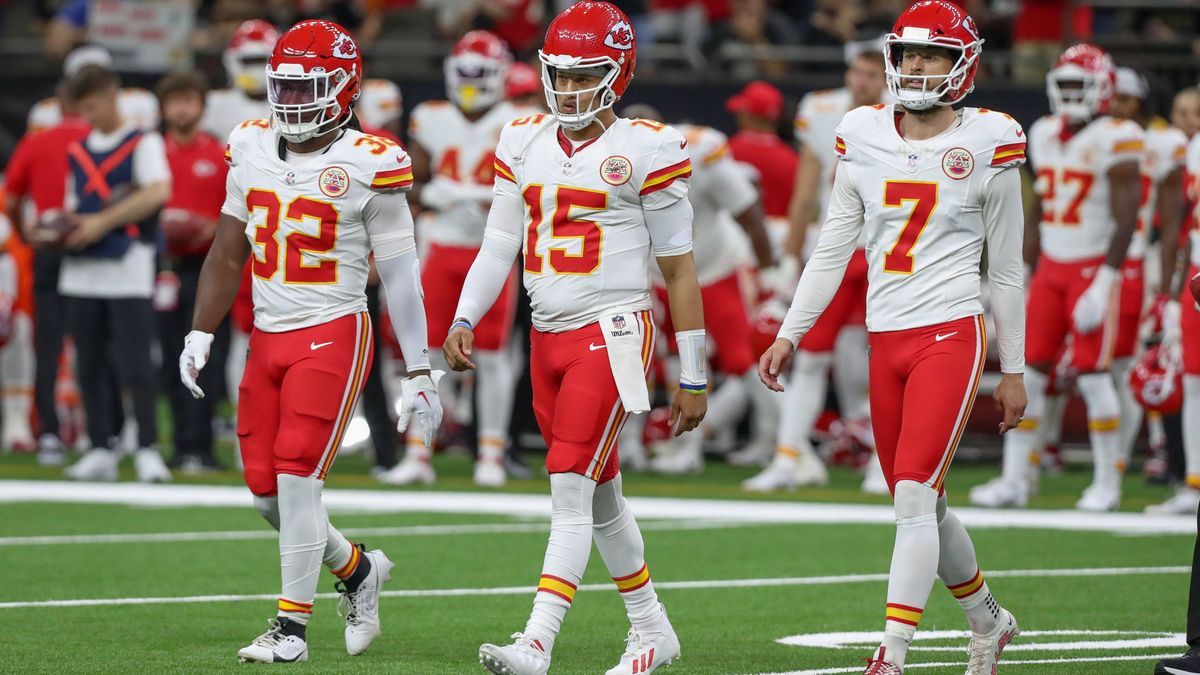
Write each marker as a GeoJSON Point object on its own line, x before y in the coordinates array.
{"type": "Point", "coordinates": [724, 628]}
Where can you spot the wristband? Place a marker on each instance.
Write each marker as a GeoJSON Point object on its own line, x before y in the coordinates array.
{"type": "Point", "coordinates": [461, 323]}
{"type": "Point", "coordinates": [693, 361]}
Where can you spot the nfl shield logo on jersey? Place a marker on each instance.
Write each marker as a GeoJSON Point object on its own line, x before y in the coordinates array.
{"type": "Point", "coordinates": [616, 170]}
{"type": "Point", "coordinates": [958, 163]}
{"type": "Point", "coordinates": [334, 182]}
{"type": "Point", "coordinates": [618, 322]}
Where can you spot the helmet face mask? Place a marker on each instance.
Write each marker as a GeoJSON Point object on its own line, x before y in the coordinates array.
{"type": "Point", "coordinates": [1082, 84]}
{"type": "Point", "coordinates": [586, 101]}
{"type": "Point", "coordinates": [247, 56]}
{"type": "Point", "coordinates": [311, 88]}
{"type": "Point", "coordinates": [932, 24]}
{"type": "Point", "coordinates": [475, 71]}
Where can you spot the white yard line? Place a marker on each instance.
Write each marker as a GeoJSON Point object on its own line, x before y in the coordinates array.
{"type": "Point", "coordinates": [408, 531]}
{"type": "Point", "coordinates": [1007, 663]}
{"type": "Point", "coordinates": [528, 505]}
{"type": "Point", "coordinates": [525, 590]}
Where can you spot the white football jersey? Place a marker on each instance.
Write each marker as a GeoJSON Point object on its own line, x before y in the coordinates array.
{"type": "Point", "coordinates": [226, 109]}
{"type": "Point", "coordinates": [1193, 188]}
{"type": "Point", "coordinates": [922, 204]}
{"type": "Point", "coordinates": [1072, 182]}
{"type": "Point", "coordinates": [587, 248]}
{"type": "Point", "coordinates": [304, 220]}
{"type": "Point", "coordinates": [463, 151]}
{"type": "Point", "coordinates": [138, 107]}
{"type": "Point", "coordinates": [719, 189]}
{"type": "Point", "coordinates": [1166, 151]}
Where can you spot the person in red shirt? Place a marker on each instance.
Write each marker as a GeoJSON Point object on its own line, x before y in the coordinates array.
{"type": "Point", "coordinates": [758, 144]}
{"type": "Point", "coordinates": [187, 224]}
{"type": "Point", "coordinates": [37, 175]}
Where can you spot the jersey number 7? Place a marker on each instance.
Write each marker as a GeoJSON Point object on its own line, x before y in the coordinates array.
{"type": "Point", "coordinates": [897, 193]}
{"type": "Point", "coordinates": [297, 243]}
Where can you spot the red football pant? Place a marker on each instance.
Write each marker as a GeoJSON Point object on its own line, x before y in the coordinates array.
{"type": "Point", "coordinates": [1129, 316]}
{"type": "Point", "coordinates": [726, 321]}
{"type": "Point", "coordinates": [1190, 323]}
{"type": "Point", "coordinates": [575, 398]}
{"type": "Point", "coordinates": [1055, 289]}
{"type": "Point", "coordinates": [923, 384]}
{"type": "Point", "coordinates": [848, 308]}
{"type": "Point", "coordinates": [443, 273]}
{"type": "Point", "coordinates": [296, 398]}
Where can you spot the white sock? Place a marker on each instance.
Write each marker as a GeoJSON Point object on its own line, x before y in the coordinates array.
{"type": "Point", "coordinates": [619, 541]}
{"type": "Point", "coordinates": [851, 372]}
{"type": "Point", "coordinates": [1019, 443]}
{"type": "Point", "coordinates": [1131, 411]}
{"type": "Point", "coordinates": [914, 567]}
{"type": "Point", "coordinates": [959, 571]}
{"type": "Point", "coordinates": [566, 555]}
{"type": "Point", "coordinates": [1191, 429]}
{"type": "Point", "coordinates": [1104, 426]}
{"type": "Point", "coordinates": [17, 365]}
{"type": "Point", "coordinates": [803, 399]}
{"type": "Point", "coordinates": [726, 404]}
{"type": "Point", "coordinates": [302, 539]}
{"type": "Point", "coordinates": [765, 407]}
{"type": "Point", "coordinates": [339, 552]}
{"type": "Point", "coordinates": [1050, 425]}
{"type": "Point", "coordinates": [494, 384]}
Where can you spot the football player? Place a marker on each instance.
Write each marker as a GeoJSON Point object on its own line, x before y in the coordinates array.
{"type": "Point", "coordinates": [1089, 188]}
{"type": "Point", "coordinates": [588, 199]}
{"type": "Point", "coordinates": [309, 198]}
{"type": "Point", "coordinates": [839, 335]}
{"type": "Point", "coordinates": [245, 61]}
{"type": "Point", "coordinates": [1162, 206]}
{"type": "Point", "coordinates": [453, 148]}
{"type": "Point", "coordinates": [381, 106]}
{"type": "Point", "coordinates": [932, 187]}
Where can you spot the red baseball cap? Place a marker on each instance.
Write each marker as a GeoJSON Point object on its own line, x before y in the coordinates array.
{"type": "Point", "coordinates": [758, 98]}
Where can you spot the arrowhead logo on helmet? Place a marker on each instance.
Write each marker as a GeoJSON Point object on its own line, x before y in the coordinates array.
{"type": "Point", "coordinates": [344, 48]}
{"type": "Point", "coordinates": [620, 37]}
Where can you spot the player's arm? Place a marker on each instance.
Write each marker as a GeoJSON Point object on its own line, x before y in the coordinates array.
{"type": "Point", "coordinates": [803, 208]}
{"type": "Point", "coordinates": [821, 278]}
{"type": "Point", "coordinates": [421, 167]}
{"type": "Point", "coordinates": [1002, 223]}
{"type": "Point", "coordinates": [1170, 207]}
{"type": "Point", "coordinates": [488, 274]}
{"type": "Point", "coordinates": [221, 275]}
{"type": "Point", "coordinates": [739, 194]}
{"type": "Point", "coordinates": [671, 240]}
{"type": "Point", "coordinates": [153, 178]}
{"type": "Point", "coordinates": [1033, 241]}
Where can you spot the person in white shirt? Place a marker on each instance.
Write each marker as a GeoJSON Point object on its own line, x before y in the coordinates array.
{"type": "Point", "coordinates": [931, 187]}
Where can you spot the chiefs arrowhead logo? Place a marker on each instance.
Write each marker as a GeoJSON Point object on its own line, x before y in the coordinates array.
{"type": "Point", "coordinates": [620, 36]}
{"type": "Point", "coordinates": [344, 48]}
{"type": "Point", "coordinates": [1020, 133]}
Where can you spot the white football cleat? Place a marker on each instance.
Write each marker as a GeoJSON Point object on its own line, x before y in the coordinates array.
{"type": "Point", "coordinates": [150, 466]}
{"type": "Point", "coordinates": [361, 608]}
{"type": "Point", "coordinates": [1099, 498]}
{"type": "Point", "coordinates": [95, 465]}
{"type": "Point", "coordinates": [780, 474]}
{"type": "Point", "coordinates": [874, 482]}
{"type": "Point", "coordinates": [274, 646]}
{"type": "Point", "coordinates": [984, 650]}
{"type": "Point", "coordinates": [524, 656]}
{"type": "Point", "coordinates": [50, 451]}
{"type": "Point", "coordinates": [632, 454]}
{"type": "Point", "coordinates": [811, 471]}
{"type": "Point", "coordinates": [647, 652]}
{"type": "Point", "coordinates": [757, 453]}
{"type": "Point", "coordinates": [1000, 493]}
{"type": "Point", "coordinates": [490, 473]}
{"type": "Point", "coordinates": [1184, 502]}
{"type": "Point", "coordinates": [409, 472]}
{"type": "Point", "coordinates": [681, 455]}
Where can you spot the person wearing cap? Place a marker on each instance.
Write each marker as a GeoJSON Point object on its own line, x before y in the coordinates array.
{"type": "Point", "coordinates": [757, 109]}
{"type": "Point", "coordinates": [138, 106]}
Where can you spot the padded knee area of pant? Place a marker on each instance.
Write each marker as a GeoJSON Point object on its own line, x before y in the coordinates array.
{"type": "Point", "coordinates": [260, 479]}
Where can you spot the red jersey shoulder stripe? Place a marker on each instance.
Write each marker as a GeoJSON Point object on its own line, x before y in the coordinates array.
{"type": "Point", "coordinates": [393, 178]}
{"type": "Point", "coordinates": [839, 145]}
{"type": "Point", "coordinates": [1008, 153]}
{"type": "Point", "coordinates": [504, 171]}
{"type": "Point", "coordinates": [663, 178]}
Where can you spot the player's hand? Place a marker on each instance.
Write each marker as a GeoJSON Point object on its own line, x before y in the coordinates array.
{"type": "Point", "coordinates": [687, 410]}
{"type": "Point", "coordinates": [1010, 398]}
{"type": "Point", "coordinates": [772, 363]}
{"type": "Point", "coordinates": [89, 230]}
{"type": "Point", "coordinates": [457, 348]}
{"type": "Point", "coordinates": [419, 397]}
{"type": "Point", "coordinates": [195, 354]}
{"type": "Point", "coordinates": [1093, 305]}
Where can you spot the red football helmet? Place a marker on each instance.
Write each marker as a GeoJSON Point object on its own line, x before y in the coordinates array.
{"type": "Point", "coordinates": [246, 57]}
{"type": "Point", "coordinates": [1082, 83]}
{"type": "Point", "coordinates": [1156, 382]}
{"type": "Point", "coordinates": [313, 79]}
{"type": "Point", "coordinates": [933, 23]}
{"type": "Point", "coordinates": [475, 71]}
{"type": "Point", "coordinates": [588, 36]}
{"type": "Point", "coordinates": [522, 80]}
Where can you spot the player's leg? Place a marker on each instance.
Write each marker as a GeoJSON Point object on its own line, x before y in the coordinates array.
{"type": "Point", "coordinates": [1047, 325]}
{"type": "Point", "coordinates": [1092, 357]}
{"type": "Point", "coordinates": [1132, 298]}
{"type": "Point", "coordinates": [495, 383]}
{"type": "Point", "coordinates": [131, 325]}
{"type": "Point", "coordinates": [942, 381]}
{"type": "Point", "coordinates": [49, 319]}
{"type": "Point", "coordinates": [1187, 497]}
{"type": "Point", "coordinates": [17, 366]}
{"type": "Point", "coordinates": [86, 317]}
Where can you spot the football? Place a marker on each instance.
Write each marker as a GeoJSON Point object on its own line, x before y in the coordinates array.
{"type": "Point", "coordinates": [53, 227]}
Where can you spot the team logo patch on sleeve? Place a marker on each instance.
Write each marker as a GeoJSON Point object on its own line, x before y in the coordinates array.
{"type": "Point", "coordinates": [616, 170]}
{"type": "Point", "coordinates": [958, 163]}
{"type": "Point", "coordinates": [334, 182]}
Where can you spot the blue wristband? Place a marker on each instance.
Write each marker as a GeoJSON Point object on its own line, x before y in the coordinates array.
{"type": "Point", "coordinates": [463, 323]}
{"type": "Point", "coordinates": [694, 388]}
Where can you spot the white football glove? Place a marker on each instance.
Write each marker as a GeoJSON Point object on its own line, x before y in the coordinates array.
{"type": "Point", "coordinates": [1172, 332]}
{"type": "Point", "coordinates": [1093, 305]}
{"type": "Point", "coordinates": [419, 396]}
{"type": "Point", "coordinates": [781, 279]}
{"type": "Point", "coordinates": [192, 360]}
